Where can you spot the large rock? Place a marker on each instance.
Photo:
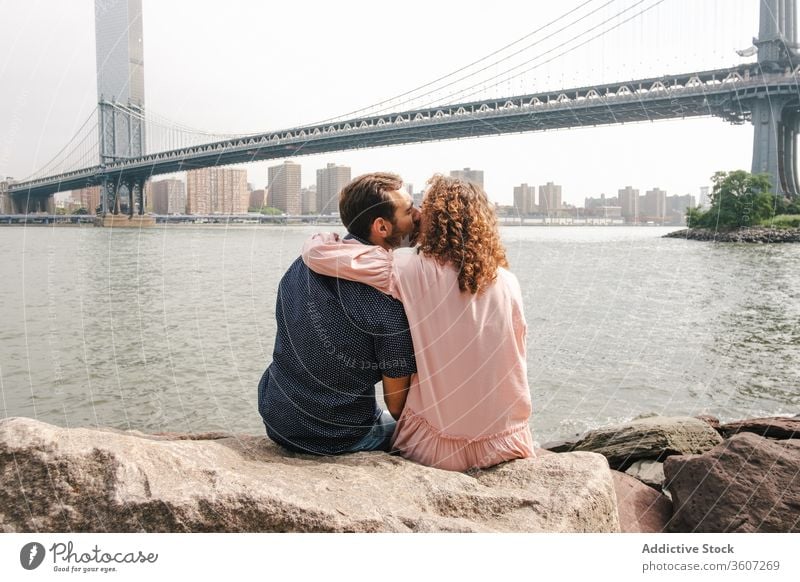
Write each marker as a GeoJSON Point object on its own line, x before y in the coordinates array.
{"type": "Point", "coordinates": [102, 480]}
{"type": "Point", "coordinates": [649, 472]}
{"type": "Point", "coordinates": [775, 427]}
{"type": "Point", "coordinates": [746, 484]}
{"type": "Point", "coordinates": [642, 509]}
{"type": "Point", "coordinates": [654, 437]}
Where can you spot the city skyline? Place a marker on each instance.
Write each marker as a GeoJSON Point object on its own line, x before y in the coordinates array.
{"type": "Point", "coordinates": [524, 198]}
{"type": "Point", "coordinates": [57, 77]}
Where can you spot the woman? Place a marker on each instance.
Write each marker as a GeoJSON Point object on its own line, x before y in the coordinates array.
{"type": "Point", "coordinates": [469, 404]}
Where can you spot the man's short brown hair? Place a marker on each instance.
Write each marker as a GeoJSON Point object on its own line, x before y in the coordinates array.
{"type": "Point", "coordinates": [367, 198]}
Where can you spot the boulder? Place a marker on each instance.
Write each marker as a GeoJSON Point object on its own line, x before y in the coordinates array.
{"type": "Point", "coordinates": [654, 437]}
{"type": "Point", "coordinates": [746, 484]}
{"type": "Point", "coordinates": [649, 472]}
{"type": "Point", "coordinates": [565, 446]}
{"type": "Point", "coordinates": [642, 509]}
{"type": "Point", "coordinates": [775, 427]}
{"type": "Point", "coordinates": [54, 479]}
{"type": "Point", "coordinates": [712, 421]}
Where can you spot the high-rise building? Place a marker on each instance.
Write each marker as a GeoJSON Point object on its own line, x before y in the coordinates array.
{"type": "Point", "coordinates": [417, 197]}
{"type": "Point", "coordinates": [330, 181]}
{"type": "Point", "coordinates": [704, 198]}
{"type": "Point", "coordinates": [653, 205]}
{"type": "Point", "coordinates": [308, 200]}
{"type": "Point", "coordinates": [258, 199]}
{"type": "Point", "coordinates": [475, 176]}
{"type": "Point", "coordinates": [549, 198]}
{"type": "Point", "coordinates": [525, 199]}
{"type": "Point", "coordinates": [88, 198]}
{"type": "Point", "coordinates": [216, 191]}
{"type": "Point", "coordinates": [168, 196]}
{"type": "Point", "coordinates": [629, 202]}
{"type": "Point", "coordinates": [284, 187]}
{"type": "Point", "coordinates": [676, 207]}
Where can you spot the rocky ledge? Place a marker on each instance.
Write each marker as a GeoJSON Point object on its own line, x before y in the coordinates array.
{"type": "Point", "coordinates": [101, 480]}
{"type": "Point", "coordinates": [759, 235]}
{"type": "Point", "coordinates": [738, 477]}
{"type": "Point", "coordinates": [54, 479]}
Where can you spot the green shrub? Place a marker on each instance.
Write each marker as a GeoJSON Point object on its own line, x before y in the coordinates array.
{"type": "Point", "coordinates": [783, 221]}
{"type": "Point", "coordinates": [739, 199]}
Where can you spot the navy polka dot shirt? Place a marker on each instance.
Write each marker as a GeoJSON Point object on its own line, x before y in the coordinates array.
{"type": "Point", "coordinates": [335, 339]}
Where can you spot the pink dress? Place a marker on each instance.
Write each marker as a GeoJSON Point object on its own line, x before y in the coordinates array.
{"type": "Point", "coordinates": [469, 402]}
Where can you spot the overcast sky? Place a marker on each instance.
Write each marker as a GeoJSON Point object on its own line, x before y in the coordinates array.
{"type": "Point", "coordinates": [247, 66]}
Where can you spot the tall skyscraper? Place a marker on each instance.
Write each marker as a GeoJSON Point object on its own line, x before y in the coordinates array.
{"type": "Point", "coordinates": [284, 187]}
{"type": "Point", "coordinates": [330, 181]}
{"type": "Point", "coordinates": [549, 198]}
{"type": "Point", "coordinates": [475, 176]}
{"type": "Point", "coordinates": [629, 202]}
{"type": "Point", "coordinates": [216, 191]}
{"type": "Point", "coordinates": [168, 196]}
{"type": "Point", "coordinates": [120, 78]}
{"type": "Point", "coordinates": [654, 205]}
{"type": "Point", "coordinates": [525, 199]}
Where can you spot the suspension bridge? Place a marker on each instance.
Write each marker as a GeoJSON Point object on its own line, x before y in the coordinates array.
{"type": "Point", "coordinates": [121, 146]}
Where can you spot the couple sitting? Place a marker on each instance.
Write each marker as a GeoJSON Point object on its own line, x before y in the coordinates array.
{"type": "Point", "coordinates": [441, 325]}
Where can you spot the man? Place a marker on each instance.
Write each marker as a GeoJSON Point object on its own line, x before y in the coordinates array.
{"type": "Point", "coordinates": [336, 339]}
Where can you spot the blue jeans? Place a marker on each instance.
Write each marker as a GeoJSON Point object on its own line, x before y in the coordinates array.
{"type": "Point", "coordinates": [379, 436]}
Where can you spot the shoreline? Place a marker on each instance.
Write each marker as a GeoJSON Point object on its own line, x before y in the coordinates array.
{"type": "Point", "coordinates": [752, 235]}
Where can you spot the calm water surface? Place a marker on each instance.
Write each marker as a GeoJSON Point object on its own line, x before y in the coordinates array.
{"type": "Point", "coordinates": [169, 329]}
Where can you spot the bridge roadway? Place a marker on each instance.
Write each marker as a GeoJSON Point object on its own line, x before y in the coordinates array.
{"type": "Point", "coordinates": [727, 93]}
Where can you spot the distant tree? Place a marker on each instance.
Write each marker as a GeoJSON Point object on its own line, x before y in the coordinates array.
{"type": "Point", "coordinates": [738, 199]}
{"type": "Point", "coordinates": [80, 210]}
{"type": "Point", "coordinates": [270, 210]}
{"type": "Point", "coordinates": [789, 206]}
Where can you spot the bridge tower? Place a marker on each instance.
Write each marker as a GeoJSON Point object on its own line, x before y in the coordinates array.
{"type": "Point", "coordinates": [776, 121]}
{"type": "Point", "coordinates": [120, 95]}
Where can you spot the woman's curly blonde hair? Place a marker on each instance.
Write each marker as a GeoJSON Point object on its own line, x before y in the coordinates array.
{"type": "Point", "coordinates": [459, 226]}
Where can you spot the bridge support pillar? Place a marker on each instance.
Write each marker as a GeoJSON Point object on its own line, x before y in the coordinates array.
{"type": "Point", "coordinates": [135, 190]}
{"type": "Point", "coordinates": [775, 128]}
{"type": "Point", "coordinates": [109, 197]}
{"type": "Point", "coordinates": [139, 186]}
{"type": "Point", "coordinates": [129, 188]}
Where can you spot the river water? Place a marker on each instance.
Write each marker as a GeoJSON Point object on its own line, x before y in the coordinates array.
{"type": "Point", "coordinates": [169, 329]}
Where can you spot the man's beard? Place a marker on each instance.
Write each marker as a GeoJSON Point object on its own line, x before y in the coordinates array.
{"type": "Point", "coordinates": [395, 239]}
